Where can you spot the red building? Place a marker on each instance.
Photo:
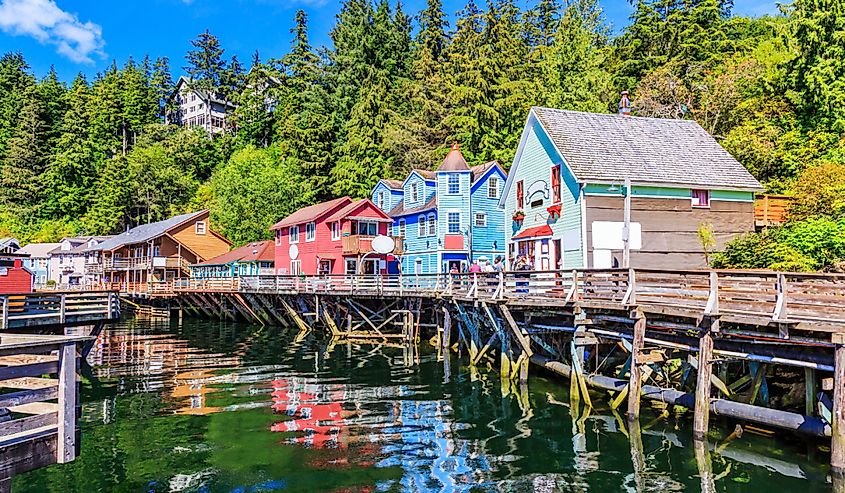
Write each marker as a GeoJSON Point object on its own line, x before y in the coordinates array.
{"type": "Point", "coordinates": [333, 237]}
{"type": "Point", "coordinates": [14, 277]}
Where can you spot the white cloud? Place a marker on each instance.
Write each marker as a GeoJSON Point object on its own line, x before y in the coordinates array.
{"type": "Point", "coordinates": [49, 24]}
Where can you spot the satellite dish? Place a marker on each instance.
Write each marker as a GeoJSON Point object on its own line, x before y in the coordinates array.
{"type": "Point", "coordinates": [293, 252]}
{"type": "Point", "coordinates": [383, 244]}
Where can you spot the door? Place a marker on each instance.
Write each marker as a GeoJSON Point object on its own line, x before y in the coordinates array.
{"type": "Point", "coordinates": [558, 255]}
{"type": "Point", "coordinates": [325, 267]}
{"type": "Point", "coordinates": [351, 266]}
{"type": "Point", "coordinates": [370, 267]}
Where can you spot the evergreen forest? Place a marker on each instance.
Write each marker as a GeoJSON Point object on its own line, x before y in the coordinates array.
{"type": "Point", "coordinates": [395, 89]}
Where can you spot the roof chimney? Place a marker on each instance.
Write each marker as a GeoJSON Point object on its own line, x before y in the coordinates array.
{"type": "Point", "coordinates": [625, 104]}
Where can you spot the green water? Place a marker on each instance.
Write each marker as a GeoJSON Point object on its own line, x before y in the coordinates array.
{"type": "Point", "coordinates": [218, 407]}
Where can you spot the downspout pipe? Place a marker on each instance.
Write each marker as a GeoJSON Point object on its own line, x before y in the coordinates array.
{"type": "Point", "coordinates": [798, 423]}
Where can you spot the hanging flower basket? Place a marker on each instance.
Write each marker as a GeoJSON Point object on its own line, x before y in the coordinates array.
{"type": "Point", "coordinates": [554, 211]}
{"type": "Point", "coordinates": [519, 216]}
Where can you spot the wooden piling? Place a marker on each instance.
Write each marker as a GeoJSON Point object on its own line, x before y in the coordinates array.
{"type": "Point", "coordinates": [705, 369]}
{"type": "Point", "coordinates": [809, 391]}
{"type": "Point", "coordinates": [635, 380]}
{"type": "Point", "coordinates": [837, 438]}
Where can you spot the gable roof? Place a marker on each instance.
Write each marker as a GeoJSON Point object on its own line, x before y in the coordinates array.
{"type": "Point", "coordinates": [480, 170]}
{"type": "Point", "coordinates": [259, 251]}
{"type": "Point", "coordinates": [182, 81]}
{"type": "Point", "coordinates": [347, 210]}
{"type": "Point", "coordinates": [147, 232]}
{"type": "Point", "coordinates": [39, 250]}
{"type": "Point", "coordinates": [391, 184]}
{"type": "Point", "coordinates": [454, 161]}
{"type": "Point", "coordinates": [9, 242]}
{"type": "Point", "coordinates": [312, 212]}
{"type": "Point", "coordinates": [400, 209]}
{"type": "Point", "coordinates": [605, 148]}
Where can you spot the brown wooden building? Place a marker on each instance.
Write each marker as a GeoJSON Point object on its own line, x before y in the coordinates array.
{"type": "Point", "coordinates": [160, 251]}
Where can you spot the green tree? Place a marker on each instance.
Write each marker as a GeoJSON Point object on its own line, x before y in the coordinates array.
{"type": "Point", "coordinates": [252, 191]}
{"type": "Point", "coordinates": [26, 156]}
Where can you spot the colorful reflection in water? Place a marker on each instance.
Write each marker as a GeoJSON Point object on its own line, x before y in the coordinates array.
{"type": "Point", "coordinates": [218, 407]}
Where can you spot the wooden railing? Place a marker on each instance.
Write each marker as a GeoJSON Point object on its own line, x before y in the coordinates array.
{"type": "Point", "coordinates": [360, 244]}
{"type": "Point", "coordinates": [145, 263]}
{"type": "Point", "coordinates": [771, 210]}
{"type": "Point", "coordinates": [48, 308]}
{"type": "Point", "coordinates": [44, 410]}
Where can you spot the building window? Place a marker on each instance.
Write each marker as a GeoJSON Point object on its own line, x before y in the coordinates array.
{"type": "Point", "coordinates": [481, 219]}
{"type": "Point", "coordinates": [199, 227]}
{"type": "Point", "coordinates": [520, 197]}
{"type": "Point", "coordinates": [401, 228]}
{"type": "Point", "coordinates": [278, 237]}
{"type": "Point", "coordinates": [421, 226]}
{"type": "Point", "coordinates": [454, 219]}
{"type": "Point", "coordinates": [701, 198]}
{"type": "Point", "coordinates": [293, 234]}
{"type": "Point", "coordinates": [418, 266]}
{"type": "Point", "coordinates": [310, 231]}
{"type": "Point", "coordinates": [295, 267]}
{"type": "Point", "coordinates": [454, 184]}
{"type": "Point", "coordinates": [493, 188]}
{"type": "Point", "coordinates": [335, 230]}
{"type": "Point", "coordinates": [366, 228]}
{"type": "Point", "coordinates": [193, 97]}
{"type": "Point", "coordinates": [381, 200]}
{"type": "Point", "coordinates": [556, 184]}
{"type": "Point", "coordinates": [432, 225]}
{"type": "Point", "coordinates": [415, 192]}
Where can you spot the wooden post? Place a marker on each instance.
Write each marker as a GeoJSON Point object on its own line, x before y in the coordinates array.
{"type": "Point", "coordinates": [62, 308]}
{"type": "Point", "coordinates": [705, 369]}
{"type": "Point", "coordinates": [66, 445]}
{"type": "Point", "coordinates": [809, 391]}
{"type": "Point", "coordinates": [635, 381]}
{"type": "Point", "coordinates": [837, 436]}
{"type": "Point", "coordinates": [4, 319]}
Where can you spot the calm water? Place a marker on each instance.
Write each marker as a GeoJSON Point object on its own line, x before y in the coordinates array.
{"type": "Point", "coordinates": [219, 407]}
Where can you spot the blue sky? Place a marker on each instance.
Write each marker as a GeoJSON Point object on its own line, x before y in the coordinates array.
{"type": "Point", "coordinates": [86, 35]}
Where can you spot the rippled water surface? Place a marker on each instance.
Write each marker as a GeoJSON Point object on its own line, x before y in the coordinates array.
{"type": "Point", "coordinates": [209, 406]}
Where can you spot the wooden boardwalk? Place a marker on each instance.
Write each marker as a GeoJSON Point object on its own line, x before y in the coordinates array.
{"type": "Point", "coordinates": [39, 403]}
{"type": "Point", "coordinates": [711, 341]}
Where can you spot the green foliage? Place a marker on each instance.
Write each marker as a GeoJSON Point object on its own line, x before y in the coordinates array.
{"type": "Point", "coordinates": [94, 157]}
{"type": "Point", "coordinates": [252, 191]}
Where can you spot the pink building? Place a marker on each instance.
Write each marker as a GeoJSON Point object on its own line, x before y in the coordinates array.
{"type": "Point", "coordinates": [333, 237]}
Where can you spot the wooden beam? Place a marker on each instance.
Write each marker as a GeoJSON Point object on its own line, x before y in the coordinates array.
{"type": "Point", "coordinates": [837, 438]}
{"type": "Point", "coordinates": [701, 420]}
{"type": "Point", "coordinates": [635, 380]}
{"type": "Point", "coordinates": [66, 446]}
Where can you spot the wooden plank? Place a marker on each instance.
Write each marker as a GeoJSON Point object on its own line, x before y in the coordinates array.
{"type": "Point", "coordinates": [837, 438]}
{"type": "Point", "coordinates": [635, 380]}
{"type": "Point", "coordinates": [28, 423]}
{"type": "Point", "coordinates": [66, 446]}
{"type": "Point", "coordinates": [24, 456]}
{"type": "Point", "coordinates": [701, 418]}
{"type": "Point", "coordinates": [34, 370]}
{"type": "Point", "coordinates": [23, 397]}
{"type": "Point", "coordinates": [35, 408]}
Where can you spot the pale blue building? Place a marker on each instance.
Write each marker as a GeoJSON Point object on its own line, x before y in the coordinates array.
{"type": "Point", "coordinates": [448, 217]}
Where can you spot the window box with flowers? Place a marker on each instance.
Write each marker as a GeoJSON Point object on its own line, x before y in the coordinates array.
{"type": "Point", "coordinates": [554, 211]}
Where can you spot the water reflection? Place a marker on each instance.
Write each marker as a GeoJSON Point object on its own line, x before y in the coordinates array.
{"type": "Point", "coordinates": [211, 407]}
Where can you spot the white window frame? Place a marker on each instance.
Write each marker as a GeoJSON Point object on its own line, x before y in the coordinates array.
{"type": "Point", "coordinates": [483, 222]}
{"type": "Point", "coordinates": [415, 193]}
{"type": "Point", "coordinates": [199, 228]}
{"type": "Point", "coordinates": [293, 234]}
{"type": "Point", "coordinates": [422, 228]}
{"type": "Point", "coordinates": [381, 200]}
{"type": "Point", "coordinates": [695, 205]}
{"type": "Point", "coordinates": [401, 228]}
{"type": "Point", "coordinates": [418, 266]}
{"type": "Point", "coordinates": [295, 267]}
{"type": "Point", "coordinates": [456, 182]}
{"type": "Point", "coordinates": [310, 231]}
{"type": "Point", "coordinates": [432, 224]}
{"type": "Point", "coordinates": [278, 237]}
{"type": "Point", "coordinates": [368, 223]}
{"type": "Point", "coordinates": [335, 227]}
{"type": "Point", "coordinates": [493, 187]}
{"type": "Point", "coordinates": [449, 216]}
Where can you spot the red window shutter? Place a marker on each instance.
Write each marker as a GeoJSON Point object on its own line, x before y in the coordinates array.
{"type": "Point", "coordinates": [519, 196]}
{"type": "Point", "coordinates": [555, 184]}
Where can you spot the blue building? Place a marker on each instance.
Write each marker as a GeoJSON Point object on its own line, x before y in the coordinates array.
{"type": "Point", "coordinates": [449, 217]}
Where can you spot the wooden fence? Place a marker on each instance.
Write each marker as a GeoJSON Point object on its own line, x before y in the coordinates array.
{"type": "Point", "coordinates": [47, 308]}
{"type": "Point", "coordinates": [39, 414]}
{"type": "Point", "coordinates": [771, 210]}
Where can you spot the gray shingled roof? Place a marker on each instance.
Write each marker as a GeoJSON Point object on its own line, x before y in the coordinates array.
{"type": "Point", "coordinates": [145, 232]}
{"type": "Point", "coordinates": [608, 148]}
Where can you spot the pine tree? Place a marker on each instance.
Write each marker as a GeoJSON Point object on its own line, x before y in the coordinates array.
{"type": "Point", "coordinates": [26, 156]}
{"type": "Point", "coordinates": [14, 80]}
{"type": "Point", "coordinates": [161, 86]}
{"type": "Point", "coordinates": [418, 134]}
{"type": "Point", "coordinates": [107, 115]}
{"type": "Point", "coordinates": [111, 198]}
{"type": "Point", "coordinates": [137, 103]}
{"type": "Point", "coordinates": [73, 166]}
{"type": "Point", "coordinates": [52, 93]}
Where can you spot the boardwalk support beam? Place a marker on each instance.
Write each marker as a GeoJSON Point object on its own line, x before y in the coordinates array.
{"type": "Point", "coordinates": [701, 420]}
